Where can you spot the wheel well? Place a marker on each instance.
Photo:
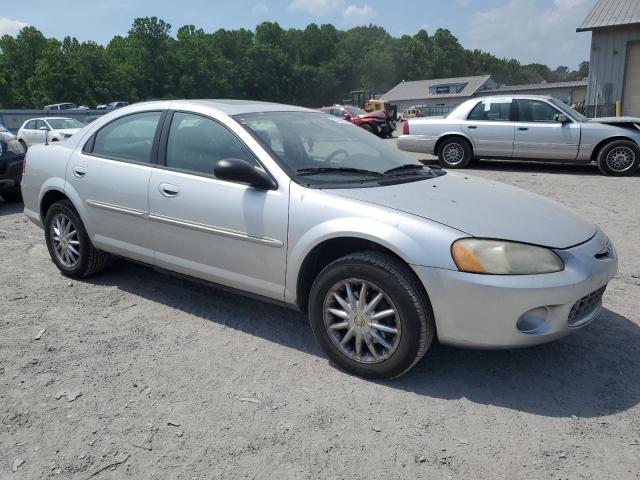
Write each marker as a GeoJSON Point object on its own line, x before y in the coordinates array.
{"type": "Point", "coordinates": [51, 197]}
{"type": "Point", "coordinates": [446, 137]}
{"type": "Point", "coordinates": [604, 143]}
{"type": "Point", "coordinates": [325, 253]}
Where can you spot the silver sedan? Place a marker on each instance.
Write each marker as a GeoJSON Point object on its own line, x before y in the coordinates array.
{"type": "Point", "coordinates": [525, 128]}
{"type": "Point", "coordinates": [302, 208]}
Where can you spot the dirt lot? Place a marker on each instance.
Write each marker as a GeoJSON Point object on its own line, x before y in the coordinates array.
{"type": "Point", "coordinates": [180, 381]}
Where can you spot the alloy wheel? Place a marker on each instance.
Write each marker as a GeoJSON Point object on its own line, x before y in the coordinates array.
{"type": "Point", "coordinates": [620, 159]}
{"type": "Point", "coordinates": [65, 240]}
{"type": "Point", "coordinates": [362, 321]}
{"type": "Point", "coordinates": [453, 153]}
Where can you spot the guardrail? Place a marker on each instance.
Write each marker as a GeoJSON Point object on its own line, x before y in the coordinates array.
{"type": "Point", "coordinates": [13, 119]}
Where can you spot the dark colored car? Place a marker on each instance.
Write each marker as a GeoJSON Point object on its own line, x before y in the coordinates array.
{"type": "Point", "coordinates": [11, 158]}
{"type": "Point", "coordinates": [378, 122]}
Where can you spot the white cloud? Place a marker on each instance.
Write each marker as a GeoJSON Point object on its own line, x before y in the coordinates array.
{"type": "Point", "coordinates": [358, 15]}
{"type": "Point", "coordinates": [521, 29]}
{"type": "Point", "coordinates": [316, 7]}
{"type": "Point", "coordinates": [259, 9]}
{"type": "Point", "coordinates": [10, 27]}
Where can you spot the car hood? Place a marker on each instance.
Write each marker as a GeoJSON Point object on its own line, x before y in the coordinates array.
{"type": "Point", "coordinates": [482, 208]}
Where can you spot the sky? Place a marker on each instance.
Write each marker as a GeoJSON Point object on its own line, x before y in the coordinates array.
{"type": "Point", "coordinates": [541, 31]}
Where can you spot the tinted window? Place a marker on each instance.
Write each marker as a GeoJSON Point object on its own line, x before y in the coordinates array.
{"type": "Point", "coordinates": [536, 111]}
{"type": "Point", "coordinates": [128, 138]}
{"type": "Point", "coordinates": [491, 110]}
{"type": "Point", "coordinates": [39, 124]}
{"type": "Point", "coordinates": [31, 125]}
{"type": "Point", "coordinates": [197, 143]}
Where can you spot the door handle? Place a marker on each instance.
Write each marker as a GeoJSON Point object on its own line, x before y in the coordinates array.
{"type": "Point", "coordinates": [523, 129]}
{"type": "Point", "coordinates": [168, 190]}
{"type": "Point", "coordinates": [472, 127]}
{"type": "Point", "coordinates": [79, 172]}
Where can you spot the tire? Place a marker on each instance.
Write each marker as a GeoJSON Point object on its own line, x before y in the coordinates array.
{"type": "Point", "coordinates": [455, 153]}
{"type": "Point", "coordinates": [368, 128]}
{"type": "Point", "coordinates": [11, 196]}
{"type": "Point", "coordinates": [89, 260]}
{"type": "Point", "coordinates": [619, 158]}
{"type": "Point", "coordinates": [413, 318]}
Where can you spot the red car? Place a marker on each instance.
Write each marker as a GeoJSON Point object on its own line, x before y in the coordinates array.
{"type": "Point", "coordinates": [378, 122]}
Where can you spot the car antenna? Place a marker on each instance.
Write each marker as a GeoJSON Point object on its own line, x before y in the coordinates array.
{"type": "Point", "coordinates": [46, 132]}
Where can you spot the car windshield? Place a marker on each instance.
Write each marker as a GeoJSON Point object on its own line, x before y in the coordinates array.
{"type": "Point", "coordinates": [64, 123]}
{"type": "Point", "coordinates": [314, 148]}
{"type": "Point", "coordinates": [355, 111]}
{"type": "Point", "coordinates": [568, 110]}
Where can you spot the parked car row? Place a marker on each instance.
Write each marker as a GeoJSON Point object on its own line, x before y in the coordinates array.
{"type": "Point", "coordinates": [67, 106]}
{"type": "Point", "coordinates": [378, 122]}
{"type": "Point", "coordinates": [525, 128]}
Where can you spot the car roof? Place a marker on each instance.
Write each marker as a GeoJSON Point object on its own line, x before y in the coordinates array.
{"type": "Point", "coordinates": [229, 107]}
{"type": "Point", "coordinates": [48, 118]}
{"type": "Point", "coordinates": [516, 96]}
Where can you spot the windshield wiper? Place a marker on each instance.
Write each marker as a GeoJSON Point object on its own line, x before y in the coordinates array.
{"type": "Point", "coordinates": [315, 170]}
{"type": "Point", "coordinates": [405, 167]}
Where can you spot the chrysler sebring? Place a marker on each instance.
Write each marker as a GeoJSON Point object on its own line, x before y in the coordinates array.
{"type": "Point", "coordinates": [306, 209]}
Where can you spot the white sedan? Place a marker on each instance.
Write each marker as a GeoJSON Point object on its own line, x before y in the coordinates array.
{"type": "Point", "coordinates": [51, 129]}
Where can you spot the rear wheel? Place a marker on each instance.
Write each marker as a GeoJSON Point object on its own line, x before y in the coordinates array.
{"type": "Point", "coordinates": [619, 158]}
{"type": "Point", "coordinates": [68, 242]}
{"type": "Point", "coordinates": [455, 153]}
{"type": "Point", "coordinates": [370, 316]}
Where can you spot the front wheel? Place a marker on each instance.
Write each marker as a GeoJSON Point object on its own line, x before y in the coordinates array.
{"type": "Point", "coordinates": [619, 158]}
{"type": "Point", "coordinates": [370, 316]}
{"type": "Point", "coordinates": [455, 153]}
{"type": "Point", "coordinates": [68, 242]}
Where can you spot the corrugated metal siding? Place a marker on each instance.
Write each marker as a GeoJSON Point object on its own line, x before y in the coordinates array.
{"type": "Point", "coordinates": [611, 13]}
{"type": "Point", "coordinates": [607, 68]}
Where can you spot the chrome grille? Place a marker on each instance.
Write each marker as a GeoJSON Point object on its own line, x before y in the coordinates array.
{"type": "Point", "coordinates": [584, 308]}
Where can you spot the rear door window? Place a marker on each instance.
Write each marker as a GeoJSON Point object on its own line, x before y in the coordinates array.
{"type": "Point", "coordinates": [491, 111]}
{"type": "Point", "coordinates": [128, 138]}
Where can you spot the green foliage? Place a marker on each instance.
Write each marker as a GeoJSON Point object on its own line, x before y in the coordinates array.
{"type": "Point", "coordinates": [315, 66]}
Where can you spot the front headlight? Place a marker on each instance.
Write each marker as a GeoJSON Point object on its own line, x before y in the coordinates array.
{"type": "Point", "coordinates": [499, 257]}
{"type": "Point", "coordinates": [14, 146]}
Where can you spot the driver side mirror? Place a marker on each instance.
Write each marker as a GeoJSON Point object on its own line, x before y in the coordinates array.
{"type": "Point", "coordinates": [241, 171]}
{"type": "Point", "coordinates": [44, 128]}
{"type": "Point", "coordinates": [562, 118]}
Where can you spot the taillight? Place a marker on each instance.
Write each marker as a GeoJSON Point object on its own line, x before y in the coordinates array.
{"type": "Point", "coordinates": [405, 127]}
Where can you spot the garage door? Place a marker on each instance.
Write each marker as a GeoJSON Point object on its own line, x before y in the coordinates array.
{"type": "Point", "coordinates": [631, 105]}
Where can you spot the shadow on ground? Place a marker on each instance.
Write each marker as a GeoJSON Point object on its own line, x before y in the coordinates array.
{"type": "Point", "coordinates": [591, 373]}
{"type": "Point", "coordinates": [10, 208]}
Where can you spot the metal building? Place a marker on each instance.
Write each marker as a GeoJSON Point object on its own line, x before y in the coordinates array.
{"type": "Point", "coordinates": [614, 69]}
{"type": "Point", "coordinates": [436, 96]}
{"type": "Point", "coordinates": [568, 92]}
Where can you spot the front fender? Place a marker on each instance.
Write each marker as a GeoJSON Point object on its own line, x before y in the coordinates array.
{"type": "Point", "coordinates": [317, 216]}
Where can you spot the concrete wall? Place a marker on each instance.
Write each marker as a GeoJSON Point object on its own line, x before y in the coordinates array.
{"type": "Point", "coordinates": [608, 60]}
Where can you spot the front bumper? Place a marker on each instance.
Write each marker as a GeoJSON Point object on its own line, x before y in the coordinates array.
{"type": "Point", "coordinates": [507, 311]}
{"type": "Point", "coordinates": [10, 171]}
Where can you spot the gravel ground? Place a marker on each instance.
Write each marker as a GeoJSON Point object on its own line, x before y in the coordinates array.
{"type": "Point", "coordinates": [134, 374]}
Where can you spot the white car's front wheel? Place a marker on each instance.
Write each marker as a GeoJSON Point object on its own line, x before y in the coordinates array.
{"type": "Point", "coordinates": [619, 158]}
